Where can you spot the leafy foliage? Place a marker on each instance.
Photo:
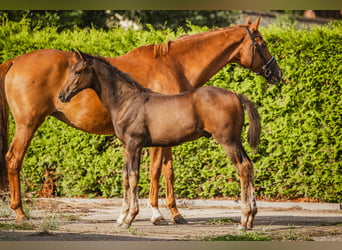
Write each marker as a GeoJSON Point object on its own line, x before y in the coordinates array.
{"type": "Point", "coordinates": [300, 151]}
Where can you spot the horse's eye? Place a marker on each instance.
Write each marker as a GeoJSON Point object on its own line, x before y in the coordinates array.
{"type": "Point", "coordinates": [77, 72]}
{"type": "Point", "coordinates": [263, 44]}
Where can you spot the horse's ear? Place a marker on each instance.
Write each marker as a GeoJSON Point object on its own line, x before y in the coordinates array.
{"type": "Point", "coordinates": [254, 26]}
{"type": "Point", "coordinates": [248, 20]}
{"type": "Point", "coordinates": [81, 55]}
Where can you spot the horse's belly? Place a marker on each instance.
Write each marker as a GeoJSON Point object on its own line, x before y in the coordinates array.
{"type": "Point", "coordinates": [85, 112]}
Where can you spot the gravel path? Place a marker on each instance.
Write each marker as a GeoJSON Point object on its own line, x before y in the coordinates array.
{"type": "Point", "coordinates": [56, 219]}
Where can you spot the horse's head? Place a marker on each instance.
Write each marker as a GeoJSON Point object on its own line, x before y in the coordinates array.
{"type": "Point", "coordinates": [255, 55]}
{"type": "Point", "coordinates": [80, 77]}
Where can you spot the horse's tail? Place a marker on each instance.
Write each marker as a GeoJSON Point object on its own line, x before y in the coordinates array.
{"type": "Point", "coordinates": [254, 121]}
{"type": "Point", "coordinates": [3, 126]}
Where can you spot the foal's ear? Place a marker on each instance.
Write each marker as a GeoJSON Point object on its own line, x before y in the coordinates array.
{"type": "Point", "coordinates": [81, 55]}
{"type": "Point", "coordinates": [254, 26]}
{"type": "Point", "coordinates": [77, 54]}
{"type": "Point", "coordinates": [248, 20]}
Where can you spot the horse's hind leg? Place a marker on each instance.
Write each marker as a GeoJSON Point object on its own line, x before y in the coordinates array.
{"type": "Point", "coordinates": [245, 169]}
{"type": "Point", "coordinates": [14, 158]}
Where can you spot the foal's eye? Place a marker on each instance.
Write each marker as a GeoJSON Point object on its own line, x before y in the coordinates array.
{"type": "Point", "coordinates": [77, 72]}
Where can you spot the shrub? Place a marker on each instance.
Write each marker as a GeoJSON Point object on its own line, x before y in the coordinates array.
{"type": "Point", "coordinates": [300, 150]}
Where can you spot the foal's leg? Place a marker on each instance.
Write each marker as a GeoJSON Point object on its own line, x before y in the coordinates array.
{"type": "Point", "coordinates": [130, 180]}
{"type": "Point", "coordinates": [245, 169]}
{"type": "Point", "coordinates": [14, 158]}
{"type": "Point", "coordinates": [125, 202]}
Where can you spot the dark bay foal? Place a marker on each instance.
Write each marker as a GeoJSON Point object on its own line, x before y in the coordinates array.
{"type": "Point", "coordinates": [142, 118]}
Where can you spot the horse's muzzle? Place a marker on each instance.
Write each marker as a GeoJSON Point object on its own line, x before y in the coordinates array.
{"type": "Point", "coordinates": [275, 78]}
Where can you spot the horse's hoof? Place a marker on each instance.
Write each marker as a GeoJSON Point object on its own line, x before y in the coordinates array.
{"type": "Point", "coordinates": [241, 228]}
{"type": "Point", "coordinates": [21, 220]}
{"type": "Point", "coordinates": [178, 219]}
{"type": "Point", "coordinates": [159, 221]}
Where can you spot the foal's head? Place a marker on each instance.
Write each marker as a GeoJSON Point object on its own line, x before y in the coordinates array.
{"type": "Point", "coordinates": [255, 55]}
{"type": "Point", "coordinates": [81, 76]}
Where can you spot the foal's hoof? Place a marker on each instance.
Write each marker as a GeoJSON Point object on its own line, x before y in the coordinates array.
{"type": "Point", "coordinates": [241, 228]}
{"type": "Point", "coordinates": [244, 228]}
{"type": "Point", "coordinates": [125, 226]}
{"type": "Point", "coordinates": [178, 219]}
{"type": "Point", "coordinates": [159, 221]}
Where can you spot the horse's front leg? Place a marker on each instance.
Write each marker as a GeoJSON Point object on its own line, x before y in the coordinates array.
{"type": "Point", "coordinates": [167, 170]}
{"type": "Point", "coordinates": [161, 161]}
{"type": "Point", "coordinates": [131, 179]}
{"type": "Point", "coordinates": [155, 172]}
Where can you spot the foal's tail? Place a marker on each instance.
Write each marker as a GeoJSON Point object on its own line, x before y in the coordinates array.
{"type": "Point", "coordinates": [3, 126]}
{"type": "Point", "coordinates": [254, 121]}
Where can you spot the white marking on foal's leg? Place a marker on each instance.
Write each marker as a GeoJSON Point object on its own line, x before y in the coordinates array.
{"type": "Point", "coordinates": [121, 218]}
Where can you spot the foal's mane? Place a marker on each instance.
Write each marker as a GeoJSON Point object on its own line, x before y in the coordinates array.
{"type": "Point", "coordinates": [115, 72]}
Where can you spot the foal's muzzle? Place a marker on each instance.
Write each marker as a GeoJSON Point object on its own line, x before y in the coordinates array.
{"type": "Point", "coordinates": [63, 98]}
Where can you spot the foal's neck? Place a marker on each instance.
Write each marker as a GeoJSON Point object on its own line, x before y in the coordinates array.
{"type": "Point", "coordinates": [113, 89]}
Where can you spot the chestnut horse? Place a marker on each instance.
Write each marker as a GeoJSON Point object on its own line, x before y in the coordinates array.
{"type": "Point", "coordinates": [142, 118]}
{"type": "Point", "coordinates": [30, 83]}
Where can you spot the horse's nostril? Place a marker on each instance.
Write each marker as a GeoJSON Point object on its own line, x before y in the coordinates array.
{"type": "Point", "coordinates": [61, 97]}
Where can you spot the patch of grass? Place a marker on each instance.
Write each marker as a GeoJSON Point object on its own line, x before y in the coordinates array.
{"type": "Point", "coordinates": [132, 230]}
{"type": "Point", "coordinates": [5, 211]}
{"type": "Point", "coordinates": [71, 217]}
{"type": "Point", "coordinates": [135, 231]}
{"type": "Point", "coordinates": [13, 226]}
{"type": "Point", "coordinates": [254, 236]}
{"type": "Point", "coordinates": [49, 222]}
{"type": "Point", "coordinates": [221, 221]}
{"type": "Point", "coordinates": [293, 235]}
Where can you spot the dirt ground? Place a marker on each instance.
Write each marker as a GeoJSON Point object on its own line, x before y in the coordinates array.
{"type": "Point", "coordinates": [57, 219]}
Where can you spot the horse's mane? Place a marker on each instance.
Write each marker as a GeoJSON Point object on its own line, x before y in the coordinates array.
{"type": "Point", "coordinates": [163, 49]}
{"type": "Point", "coordinates": [118, 73]}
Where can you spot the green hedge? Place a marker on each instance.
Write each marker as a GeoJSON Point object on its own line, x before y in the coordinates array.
{"type": "Point", "coordinates": [300, 151]}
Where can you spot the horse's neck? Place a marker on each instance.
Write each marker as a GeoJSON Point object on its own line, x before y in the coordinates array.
{"type": "Point", "coordinates": [194, 58]}
{"type": "Point", "coordinates": [204, 55]}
